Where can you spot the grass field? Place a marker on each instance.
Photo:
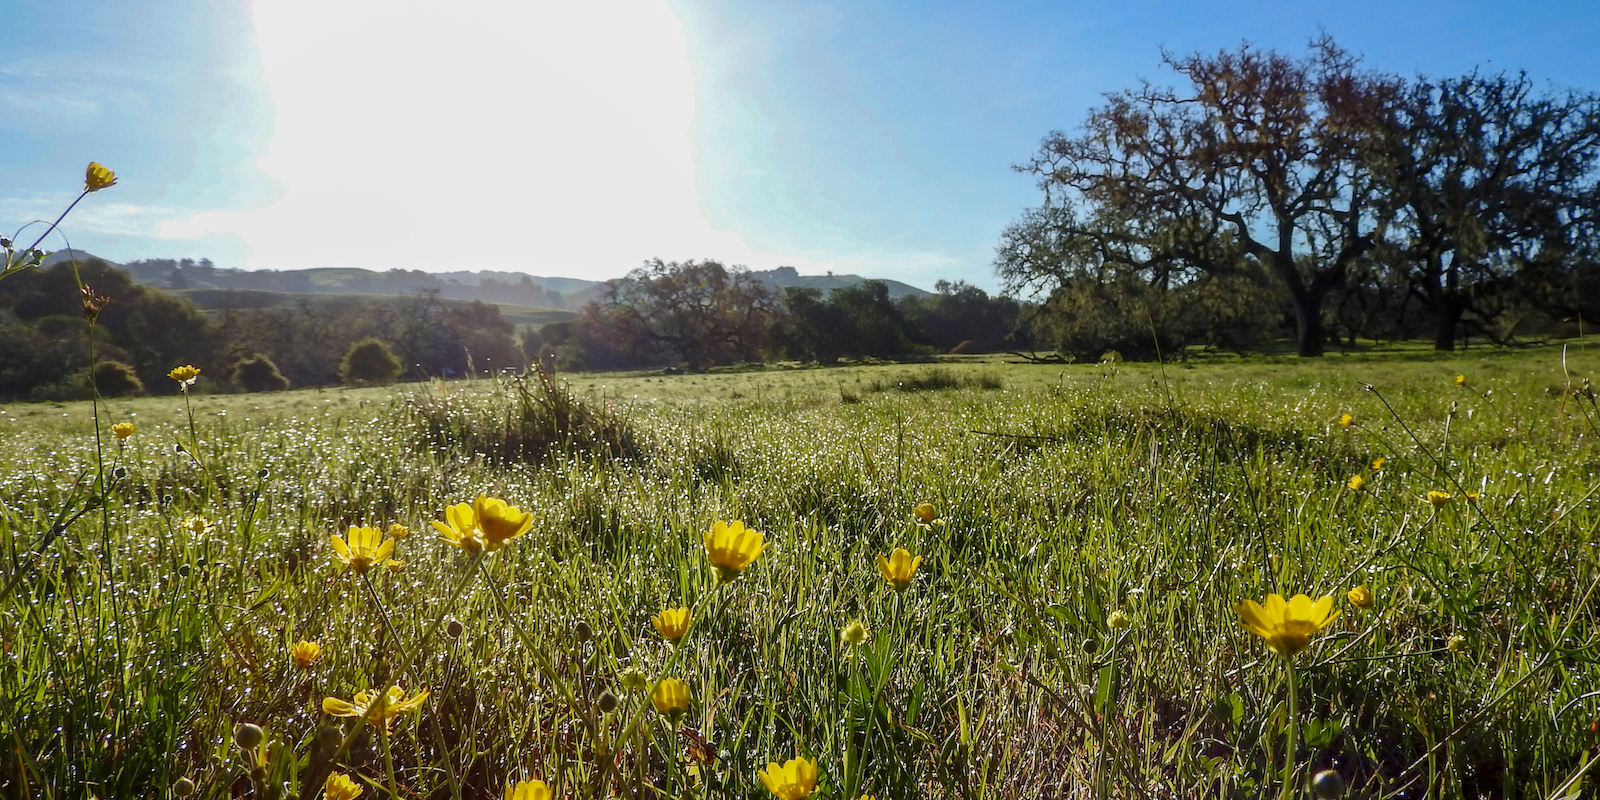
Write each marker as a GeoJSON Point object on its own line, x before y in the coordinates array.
{"type": "Point", "coordinates": [1070, 630]}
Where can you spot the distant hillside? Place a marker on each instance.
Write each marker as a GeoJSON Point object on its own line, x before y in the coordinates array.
{"type": "Point", "coordinates": [202, 279]}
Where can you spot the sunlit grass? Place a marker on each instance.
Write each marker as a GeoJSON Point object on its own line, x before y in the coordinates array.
{"type": "Point", "coordinates": [1069, 629]}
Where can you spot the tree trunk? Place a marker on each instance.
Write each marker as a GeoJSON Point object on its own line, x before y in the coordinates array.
{"type": "Point", "coordinates": [1447, 321]}
{"type": "Point", "coordinates": [1308, 332]}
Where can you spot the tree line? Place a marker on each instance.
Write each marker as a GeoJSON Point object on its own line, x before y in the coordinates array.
{"type": "Point", "coordinates": [698, 314]}
{"type": "Point", "coordinates": [689, 315]}
{"type": "Point", "coordinates": [1271, 194]}
{"type": "Point", "coordinates": [140, 332]}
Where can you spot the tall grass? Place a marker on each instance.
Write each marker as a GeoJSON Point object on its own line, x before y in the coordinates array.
{"type": "Point", "coordinates": [1065, 497]}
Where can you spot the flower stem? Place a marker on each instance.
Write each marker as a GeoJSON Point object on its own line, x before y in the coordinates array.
{"type": "Point", "coordinates": [1291, 735]}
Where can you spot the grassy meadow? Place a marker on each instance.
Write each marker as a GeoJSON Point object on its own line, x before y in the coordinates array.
{"type": "Point", "coordinates": [1070, 630]}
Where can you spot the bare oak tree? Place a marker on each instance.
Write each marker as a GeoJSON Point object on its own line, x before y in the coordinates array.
{"type": "Point", "coordinates": [1259, 157]}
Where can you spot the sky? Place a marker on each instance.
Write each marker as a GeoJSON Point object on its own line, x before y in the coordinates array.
{"type": "Point", "coordinates": [580, 139]}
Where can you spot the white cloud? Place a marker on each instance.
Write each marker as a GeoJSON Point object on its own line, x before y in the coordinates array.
{"type": "Point", "coordinates": [551, 137]}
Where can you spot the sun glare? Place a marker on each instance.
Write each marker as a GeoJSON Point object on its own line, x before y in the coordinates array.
{"type": "Point", "coordinates": [550, 138]}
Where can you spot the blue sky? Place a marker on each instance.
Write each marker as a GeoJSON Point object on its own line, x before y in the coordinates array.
{"type": "Point", "coordinates": [579, 139]}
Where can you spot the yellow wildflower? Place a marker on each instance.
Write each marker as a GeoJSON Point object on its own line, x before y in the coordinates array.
{"type": "Point", "coordinates": [671, 697]}
{"type": "Point", "coordinates": [398, 531]}
{"type": "Point", "coordinates": [1377, 463]}
{"type": "Point", "coordinates": [365, 547]}
{"type": "Point", "coordinates": [1345, 419]}
{"type": "Point", "coordinates": [899, 568]}
{"type": "Point", "coordinates": [97, 177]}
{"type": "Point", "coordinates": [375, 707]}
{"type": "Point", "coordinates": [340, 787]}
{"type": "Point", "coordinates": [795, 780]}
{"type": "Point", "coordinates": [197, 525]}
{"type": "Point", "coordinates": [1437, 498]}
{"type": "Point", "coordinates": [926, 513]}
{"type": "Point", "coordinates": [732, 547]}
{"type": "Point", "coordinates": [1360, 597]}
{"type": "Point", "coordinates": [305, 654]}
{"type": "Point", "coordinates": [1461, 380]}
{"type": "Point", "coordinates": [185, 375]}
{"type": "Point", "coordinates": [1471, 497]}
{"type": "Point", "coordinates": [528, 790]}
{"type": "Point", "coordinates": [1355, 483]}
{"type": "Point", "coordinates": [394, 565]}
{"type": "Point", "coordinates": [124, 429]}
{"type": "Point", "coordinates": [485, 525]}
{"type": "Point", "coordinates": [1286, 626]}
{"type": "Point", "coordinates": [672, 623]}
{"type": "Point", "coordinates": [853, 634]}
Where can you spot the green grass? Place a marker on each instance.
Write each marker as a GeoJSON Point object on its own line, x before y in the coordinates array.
{"type": "Point", "coordinates": [133, 645]}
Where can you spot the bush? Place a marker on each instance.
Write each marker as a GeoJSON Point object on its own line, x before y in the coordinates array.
{"type": "Point", "coordinates": [116, 379]}
{"type": "Point", "coordinates": [369, 361]}
{"type": "Point", "coordinates": [258, 374]}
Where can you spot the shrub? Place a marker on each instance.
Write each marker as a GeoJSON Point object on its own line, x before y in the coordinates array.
{"type": "Point", "coordinates": [116, 379]}
{"type": "Point", "coordinates": [258, 374]}
{"type": "Point", "coordinates": [369, 361]}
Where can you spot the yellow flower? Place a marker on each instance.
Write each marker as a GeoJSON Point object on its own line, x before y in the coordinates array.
{"type": "Point", "coordinates": [1346, 418]}
{"type": "Point", "coordinates": [853, 634]}
{"type": "Point", "coordinates": [375, 707]}
{"type": "Point", "coordinates": [926, 513]}
{"type": "Point", "coordinates": [97, 177]}
{"type": "Point", "coordinates": [528, 790]}
{"type": "Point", "coordinates": [1461, 380]}
{"type": "Point", "coordinates": [1472, 497]}
{"type": "Point", "coordinates": [394, 565]}
{"type": "Point", "coordinates": [340, 787]}
{"type": "Point", "coordinates": [1355, 483]}
{"type": "Point", "coordinates": [365, 547]}
{"type": "Point", "coordinates": [899, 568]}
{"type": "Point", "coordinates": [671, 697]}
{"type": "Point", "coordinates": [732, 547]}
{"type": "Point", "coordinates": [185, 375]}
{"type": "Point", "coordinates": [199, 526]}
{"type": "Point", "coordinates": [1438, 498]}
{"type": "Point", "coordinates": [1456, 643]}
{"type": "Point", "coordinates": [1360, 597]}
{"type": "Point", "coordinates": [795, 780]}
{"type": "Point", "coordinates": [672, 623]}
{"type": "Point", "coordinates": [305, 654]}
{"type": "Point", "coordinates": [1287, 626]}
{"type": "Point", "coordinates": [124, 429]}
{"type": "Point", "coordinates": [398, 531]}
{"type": "Point", "coordinates": [1118, 621]}
{"type": "Point", "coordinates": [487, 524]}
{"type": "Point", "coordinates": [1377, 464]}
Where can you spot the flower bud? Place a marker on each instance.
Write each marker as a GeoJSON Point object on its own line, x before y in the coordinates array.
{"type": "Point", "coordinates": [1118, 621]}
{"type": "Point", "coordinates": [1327, 785]}
{"type": "Point", "coordinates": [258, 774]}
{"type": "Point", "coordinates": [247, 735]}
{"type": "Point", "coordinates": [1091, 646]}
{"type": "Point", "coordinates": [453, 630]}
{"type": "Point", "coordinates": [183, 787]}
{"type": "Point", "coordinates": [607, 702]}
{"type": "Point", "coordinates": [583, 631]}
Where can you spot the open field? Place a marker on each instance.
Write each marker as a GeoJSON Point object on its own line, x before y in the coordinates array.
{"type": "Point", "coordinates": [1070, 632]}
